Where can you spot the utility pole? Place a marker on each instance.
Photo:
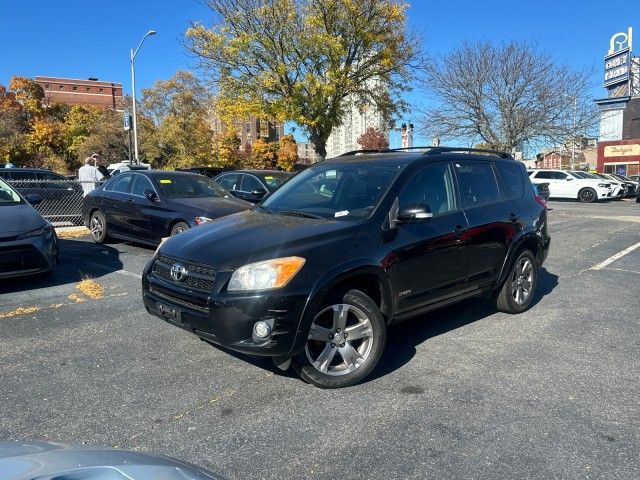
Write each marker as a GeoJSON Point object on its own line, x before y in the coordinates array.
{"type": "Point", "coordinates": [133, 92]}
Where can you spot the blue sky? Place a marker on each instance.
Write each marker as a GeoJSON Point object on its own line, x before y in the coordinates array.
{"type": "Point", "coordinates": [81, 39]}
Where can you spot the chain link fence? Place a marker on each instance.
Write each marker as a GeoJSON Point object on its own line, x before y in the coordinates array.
{"type": "Point", "coordinates": [59, 201]}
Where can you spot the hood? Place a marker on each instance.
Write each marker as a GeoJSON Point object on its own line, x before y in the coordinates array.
{"type": "Point", "coordinates": [17, 219]}
{"type": "Point", "coordinates": [26, 460]}
{"type": "Point", "coordinates": [214, 207]}
{"type": "Point", "coordinates": [252, 236]}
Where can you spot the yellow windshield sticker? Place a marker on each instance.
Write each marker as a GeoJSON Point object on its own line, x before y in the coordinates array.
{"type": "Point", "coordinates": [268, 178]}
{"type": "Point", "coordinates": [165, 181]}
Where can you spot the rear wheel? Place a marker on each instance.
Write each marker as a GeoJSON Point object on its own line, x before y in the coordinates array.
{"type": "Point", "coordinates": [345, 342]}
{"type": "Point", "coordinates": [517, 292]}
{"type": "Point", "coordinates": [179, 228]}
{"type": "Point", "coordinates": [587, 195]}
{"type": "Point", "coordinates": [98, 227]}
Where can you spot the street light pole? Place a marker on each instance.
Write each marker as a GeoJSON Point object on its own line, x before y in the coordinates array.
{"type": "Point", "coordinates": [573, 143]}
{"type": "Point", "coordinates": [133, 92]}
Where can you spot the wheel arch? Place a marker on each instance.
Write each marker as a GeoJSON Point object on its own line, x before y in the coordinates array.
{"type": "Point", "coordinates": [531, 242]}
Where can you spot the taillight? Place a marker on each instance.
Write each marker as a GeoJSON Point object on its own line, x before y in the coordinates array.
{"type": "Point", "coordinates": [541, 201]}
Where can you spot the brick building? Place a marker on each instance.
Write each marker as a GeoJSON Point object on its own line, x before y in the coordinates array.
{"type": "Point", "coordinates": [250, 129]}
{"type": "Point", "coordinates": [89, 92]}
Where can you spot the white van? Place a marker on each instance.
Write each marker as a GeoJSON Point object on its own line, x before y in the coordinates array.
{"type": "Point", "coordinates": [566, 184]}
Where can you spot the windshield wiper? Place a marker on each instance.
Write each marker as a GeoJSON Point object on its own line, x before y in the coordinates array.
{"type": "Point", "coordinates": [297, 213]}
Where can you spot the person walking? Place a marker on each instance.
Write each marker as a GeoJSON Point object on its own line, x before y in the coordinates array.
{"type": "Point", "coordinates": [88, 175]}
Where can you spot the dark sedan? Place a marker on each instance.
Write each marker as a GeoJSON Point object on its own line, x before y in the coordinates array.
{"type": "Point", "coordinates": [28, 243]}
{"type": "Point", "coordinates": [147, 206]}
{"type": "Point", "coordinates": [252, 185]}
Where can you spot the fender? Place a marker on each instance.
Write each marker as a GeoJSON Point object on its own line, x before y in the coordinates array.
{"type": "Point", "coordinates": [329, 280]}
{"type": "Point", "coordinates": [514, 248]}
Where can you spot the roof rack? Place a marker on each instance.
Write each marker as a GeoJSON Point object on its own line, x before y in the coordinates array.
{"type": "Point", "coordinates": [433, 150]}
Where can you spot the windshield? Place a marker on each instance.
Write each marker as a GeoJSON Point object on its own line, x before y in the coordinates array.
{"type": "Point", "coordinates": [275, 179]}
{"type": "Point", "coordinates": [188, 186]}
{"type": "Point", "coordinates": [349, 190]}
{"type": "Point", "coordinates": [8, 196]}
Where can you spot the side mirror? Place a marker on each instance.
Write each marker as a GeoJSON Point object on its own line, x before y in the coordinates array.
{"type": "Point", "coordinates": [33, 198]}
{"type": "Point", "coordinates": [414, 214]}
{"type": "Point", "coordinates": [151, 195]}
{"type": "Point", "coordinates": [569, 179]}
{"type": "Point", "coordinates": [259, 192]}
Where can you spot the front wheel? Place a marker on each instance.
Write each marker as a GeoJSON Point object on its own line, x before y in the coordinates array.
{"type": "Point", "coordinates": [517, 292]}
{"type": "Point", "coordinates": [345, 342]}
{"type": "Point", "coordinates": [587, 195]}
{"type": "Point", "coordinates": [98, 227]}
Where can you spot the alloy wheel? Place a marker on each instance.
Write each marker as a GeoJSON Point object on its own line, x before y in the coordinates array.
{"type": "Point", "coordinates": [97, 226]}
{"type": "Point", "coordinates": [340, 340]}
{"type": "Point", "coordinates": [522, 281]}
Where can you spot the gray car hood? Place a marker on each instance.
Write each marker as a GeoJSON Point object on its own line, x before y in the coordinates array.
{"type": "Point", "coordinates": [50, 461]}
{"type": "Point", "coordinates": [17, 219]}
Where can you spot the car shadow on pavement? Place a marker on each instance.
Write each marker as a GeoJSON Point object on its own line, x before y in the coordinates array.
{"type": "Point", "coordinates": [78, 260]}
{"type": "Point", "coordinates": [403, 338]}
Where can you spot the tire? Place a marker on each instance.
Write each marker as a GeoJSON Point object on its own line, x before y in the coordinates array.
{"type": "Point", "coordinates": [514, 296]}
{"type": "Point", "coordinates": [331, 359]}
{"type": "Point", "coordinates": [178, 228]}
{"type": "Point", "coordinates": [587, 195]}
{"type": "Point", "coordinates": [98, 227]}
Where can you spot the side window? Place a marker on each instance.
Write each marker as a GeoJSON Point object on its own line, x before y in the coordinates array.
{"type": "Point", "coordinates": [511, 176]}
{"type": "Point", "coordinates": [249, 184]}
{"type": "Point", "coordinates": [121, 184]}
{"type": "Point", "coordinates": [559, 175]}
{"type": "Point", "coordinates": [16, 175]}
{"type": "Point", "coordinates": [140, 184]}
{"type": "Point", "coordinates": [228, 182]}
{"type": "Point", "coordinates": [544, 175]}
{"type": "Point", "coordinates": [54, 181]}
{"type": "Point", "coordinates": [478, 184]}
{"type": "Point", "coordinates": [431, 187]}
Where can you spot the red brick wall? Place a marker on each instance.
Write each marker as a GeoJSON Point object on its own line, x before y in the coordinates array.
{"type": "Point", "coordinates": [81, 92]}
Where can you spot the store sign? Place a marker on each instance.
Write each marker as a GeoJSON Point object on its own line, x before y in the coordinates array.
{"type": "Point", "coordinates": [622, 150]}
{"type": "Point", "coordinates": [616, 68]}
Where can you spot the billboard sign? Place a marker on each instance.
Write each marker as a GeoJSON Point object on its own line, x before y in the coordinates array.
{"type": "Point", "coordinates": [127, 121]}
{"type": "Point", "coordinates": [616, 68]}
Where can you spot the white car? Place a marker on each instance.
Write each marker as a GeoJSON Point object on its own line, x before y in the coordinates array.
{"type": "Point", "coordinates": [116, 168]}
{"type": "Point", "coordinates": [618, 188]}
{"type": "Point", "coordinates": [566, 184]}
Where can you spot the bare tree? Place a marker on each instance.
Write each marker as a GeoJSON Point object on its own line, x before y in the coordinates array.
{"type": "Point", "coordinates": [504, 95]}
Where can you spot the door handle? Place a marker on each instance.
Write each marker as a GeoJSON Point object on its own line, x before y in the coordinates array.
{"type": "Point", "coordinates": [130, 200]}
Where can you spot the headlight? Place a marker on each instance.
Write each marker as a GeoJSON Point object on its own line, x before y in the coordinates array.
{"type": "Point", "coordinates": [44, 231]}
{"type": "Point", "coordinates": [265, 275]}
{"type": "Point", "coordinates": [201, 220]}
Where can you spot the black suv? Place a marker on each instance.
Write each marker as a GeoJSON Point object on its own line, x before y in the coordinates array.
{"type": "Point", "coordinates": [316, 273]}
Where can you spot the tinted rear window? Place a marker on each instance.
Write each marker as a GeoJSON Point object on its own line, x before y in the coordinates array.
{"type": "Point", "coordinates": [478, 185]}
{"type": "Point", "coordinates": [511, 176]}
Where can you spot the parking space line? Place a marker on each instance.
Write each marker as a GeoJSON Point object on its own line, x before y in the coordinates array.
{"type": "Point", "coordinates": [615, 257]}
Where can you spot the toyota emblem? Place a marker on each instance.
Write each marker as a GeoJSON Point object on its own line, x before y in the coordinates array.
{"type": "Point", "coordinates": [178, 272]}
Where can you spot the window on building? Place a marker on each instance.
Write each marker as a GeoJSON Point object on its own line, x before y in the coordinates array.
{"type": "Point", "coordinates": [101, 90]}
{"type": "Point", "coordinates": [46, 85]}
{"type": "Point", "coordinates": [60, 87]}
{"type": "Point", "coordinates": [74, 88]}
{"type": "Point", "coordinates": [88, 89]}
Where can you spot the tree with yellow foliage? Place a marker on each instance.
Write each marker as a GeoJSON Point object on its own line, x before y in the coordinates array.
{"type": "Point", "coordinates": [299, 60]}
{"type": "Point", "coordinates": [287, 153]}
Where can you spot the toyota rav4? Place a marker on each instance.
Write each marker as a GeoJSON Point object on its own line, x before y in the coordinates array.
{"type": "Point", "coordinates": [316, 273]}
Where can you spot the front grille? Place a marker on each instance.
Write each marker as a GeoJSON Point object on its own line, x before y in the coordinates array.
{"type": "Point", "coordinates": [17, 259]}
{"type": "Point", "coordinates": [198, 277]}
{"type": "Point", "coordinates": [195, 303]}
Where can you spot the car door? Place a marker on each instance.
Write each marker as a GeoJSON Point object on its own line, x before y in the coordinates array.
{"type": "Point", "coordinates": [147, 218]}
{"type": "Point", "coordinates": [493, 220]}
{"type": "Point", "coordinates": [115, 204]}
{"type": "Point", "coordinates": [429, 258]}
{"type": "Point", "coordinates": [250, 184]}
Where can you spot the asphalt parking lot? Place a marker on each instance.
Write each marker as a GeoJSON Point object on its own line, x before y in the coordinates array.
{"type": "Point", "coordinates": [462, 393]}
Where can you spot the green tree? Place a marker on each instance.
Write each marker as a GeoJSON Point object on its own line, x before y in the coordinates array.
{"type": "Point", "coordinates": [300, 59]}
{"type": "Point", "coordinates": [179, 108]}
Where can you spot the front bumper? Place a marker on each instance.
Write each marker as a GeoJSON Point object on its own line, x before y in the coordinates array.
{"type": "Point", "coordinates": [29, 256]}
{"type": "Point", "coordinates": [227, 319]}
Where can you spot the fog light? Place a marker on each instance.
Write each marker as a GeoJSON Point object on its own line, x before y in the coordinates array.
{"type": "Point", "coordinates": [262, 329]}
